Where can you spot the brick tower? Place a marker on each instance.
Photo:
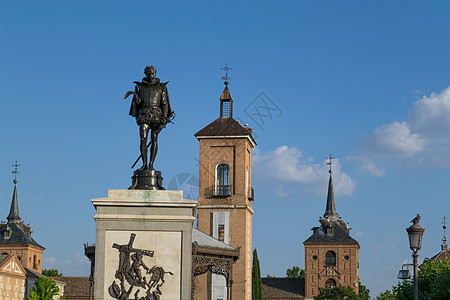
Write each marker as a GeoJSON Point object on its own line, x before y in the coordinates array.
{"type": "Point", "coordinates": [331, 254]}
{"type": "Point", "coordinates": [224, 201]}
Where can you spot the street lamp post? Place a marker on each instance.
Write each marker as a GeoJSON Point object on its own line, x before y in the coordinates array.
{"type": "Point", "coordinates": [415, 233]}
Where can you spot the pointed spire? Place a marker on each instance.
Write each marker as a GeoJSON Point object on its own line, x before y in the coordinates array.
{"type": "Point", "coordinates": [330, 212]}
{"type": "Point", "coordinates": [226, 104]}
{"type": "Point", "coordinates": [13, 216]}
{"type": "Point", "coordinates": [444, 245]}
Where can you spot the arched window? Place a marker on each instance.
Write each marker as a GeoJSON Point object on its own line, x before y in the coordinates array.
{"type": "Point", "coordinates": [223, 180]}
{"type": "Point", "coordinates": [330, 283]}
{"type": "Point", "coordinates": [34, 263]}
{"type": "Point", "coordinates": [330, 258]}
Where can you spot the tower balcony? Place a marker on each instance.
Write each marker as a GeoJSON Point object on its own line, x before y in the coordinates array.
{"type": "Point", "coordinates": [221, 190]}
{"type": "Point", "coordinates": [251, 194]}
{"type": "Point", "coordinates": [227, 191]}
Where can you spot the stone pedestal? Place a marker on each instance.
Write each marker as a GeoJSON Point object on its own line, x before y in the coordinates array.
{"type": "Point", "coordinates": [143, 244]}
{"type": "Point", "coordinates": [146, 180]}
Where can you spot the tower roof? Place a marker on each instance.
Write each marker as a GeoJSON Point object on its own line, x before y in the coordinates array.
{"type": "Point", "coordinates": [330, 211]}
{"type": "Point", "coordinates": [225, 125]}
{"type": "Point", "coordinates": [15, 232]}
{"type": "Point", "coordinates": [13, 216]}
{"type": "Point", "coordinates": [340, 234]}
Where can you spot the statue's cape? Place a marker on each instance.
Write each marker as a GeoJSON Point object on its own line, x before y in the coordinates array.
{"type": "Point", "coordinates": [134, 112]}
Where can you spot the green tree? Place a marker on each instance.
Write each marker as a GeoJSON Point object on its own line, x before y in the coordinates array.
{"type": "Point", "coordinates": [434, 284]}
{"type": "Point", "coordinates": [363, 292]}
{"type": "Point", "coordinates": [440, 288]}
{"type": "Point", "coordinates": [256, 278]}
{"type": "Point", "coordinates": [295, 272]}
{"type": "Point", "coordinates": [51, 273]}
{"type": "Point", "coordinates": [337, 293]}
{"type": "Point", "coordinates": [343, 292]}
{"type": "Point", "coordinates": [44, 289]}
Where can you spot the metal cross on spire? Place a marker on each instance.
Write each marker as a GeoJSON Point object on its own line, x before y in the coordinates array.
{"type": "Point", "coordinates": [444, 239]}
{"type": "Point", "coordinates": [226, 69]}
{"type": "Point", "coordinates": [16, 165]}
{"type": "Point", "coordinates": [330, 162]}
{"type": "Point", "coordinates": [444, 224]}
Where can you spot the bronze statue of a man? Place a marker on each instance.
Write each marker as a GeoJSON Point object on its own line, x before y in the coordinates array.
{"type": "Point", "coordinates": [151, 108]}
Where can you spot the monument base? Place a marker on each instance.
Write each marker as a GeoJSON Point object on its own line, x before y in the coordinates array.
{"type": "Point", "coordinates": [146, 180]}
{"type": "Point", "coordinates": [143, 245]}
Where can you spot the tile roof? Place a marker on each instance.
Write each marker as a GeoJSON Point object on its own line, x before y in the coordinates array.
{"type": "Point", "coordinates": [18, 235]}
{"type": "Point", "coordinates": [205, 240]}
{"type": "Point", "coordinates": [339, 235]}
{"type": "Point", "coordinates": [443, 255]}
{"type": "Point", "coordinates": [283, 288]}
{"type": "Point", "coordinates": [224, 126]}
{"type": "Point", "coordinates": [33, 273]}
{"type": "Point", "coordinates": [75, 286]}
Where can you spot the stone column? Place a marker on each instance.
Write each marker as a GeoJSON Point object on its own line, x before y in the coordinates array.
{"type": "Point", "coordinates": [143, 227]}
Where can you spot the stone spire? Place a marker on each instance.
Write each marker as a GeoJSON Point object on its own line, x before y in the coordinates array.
{"type": "Point", "coordinates": [444, 245]}
{"type": "Point", "coordinates": [13, 216]}
{"type": "Point", "coordinates": [330, 212]}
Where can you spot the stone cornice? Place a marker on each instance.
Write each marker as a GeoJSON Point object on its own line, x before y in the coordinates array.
{"type": "Point", "coordinates": [226, 207]}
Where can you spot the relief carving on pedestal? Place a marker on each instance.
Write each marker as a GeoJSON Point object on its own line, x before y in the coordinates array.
{"type": "Point", "coordinates": [129, 274]}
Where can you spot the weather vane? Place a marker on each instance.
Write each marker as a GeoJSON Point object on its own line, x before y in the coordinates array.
{"type": "Point", "coordinates": [330, 162]}
{"type": "Point", "coordinates": [444, 223]}
{"type": "Point", "coordinates": [226, 69]}
{"type": "Point", "coordinates": [15, 171]}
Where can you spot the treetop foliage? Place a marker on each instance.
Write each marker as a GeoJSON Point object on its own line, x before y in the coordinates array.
{"type": "Point", "coordinates": [51, 273]}
{"type": "Point", "coordinates": [433, 281]}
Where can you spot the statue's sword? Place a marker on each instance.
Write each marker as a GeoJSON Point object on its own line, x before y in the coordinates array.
{"type": "Point", "coordinates": [140, 155]}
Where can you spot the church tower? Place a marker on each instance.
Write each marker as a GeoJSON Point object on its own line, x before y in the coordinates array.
{"type": "Point", "coordinates": [225, 198]}
{"type": "Point", "coordinates": [15, 237]}
{"type": "Point", "coordinates": [331, 254]}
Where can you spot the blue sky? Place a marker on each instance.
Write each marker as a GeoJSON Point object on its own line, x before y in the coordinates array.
{"type": "Point", "coordinates": [365, 81]}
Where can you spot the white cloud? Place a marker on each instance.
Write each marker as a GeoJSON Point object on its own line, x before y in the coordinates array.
{"type": "Point", "coordinates": [359, 234]}
{"type": "Point", "coordinates": [393, 140]}
{"type": "Point", "coordinates": [49, 260]}
{"type": "Point", "coordinates": [367, 165]}
{"type": "Point", "coordinates": [287, 170]}
{"type": "Point", "coordinates": [423, 137]}
{"type": "Point", "coordinates": [430, 117]}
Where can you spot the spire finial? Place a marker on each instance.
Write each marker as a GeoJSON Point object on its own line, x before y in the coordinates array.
{"type": "Point", "coordinates": [16, 165]}
{"type": "Point", "coordinates": [13, 216]}
{"type": "Point", "coordinates": [330, 162]}
{"type": "Point", "coordinates": [226, 69]}
{"type": "Point", "coordinates": [330, 212]}
{"type": "Point", "coordinates": [444, 239]}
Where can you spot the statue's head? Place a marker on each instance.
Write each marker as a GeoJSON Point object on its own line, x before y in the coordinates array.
{"type": "Point", "coordinates": [150, 71]}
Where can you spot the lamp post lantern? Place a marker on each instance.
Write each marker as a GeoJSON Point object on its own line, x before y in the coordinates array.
{"type": "Point", "coordinates": [415, 233]}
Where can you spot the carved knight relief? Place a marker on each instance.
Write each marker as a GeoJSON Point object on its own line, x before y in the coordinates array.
{"type": "Point", "coordinates": [130, 277]}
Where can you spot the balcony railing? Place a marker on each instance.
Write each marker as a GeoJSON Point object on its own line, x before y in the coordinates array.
{"type": "Point", "coordinates": [251, 194]}
{"type": "Point", "coordinates": [221, 190]}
